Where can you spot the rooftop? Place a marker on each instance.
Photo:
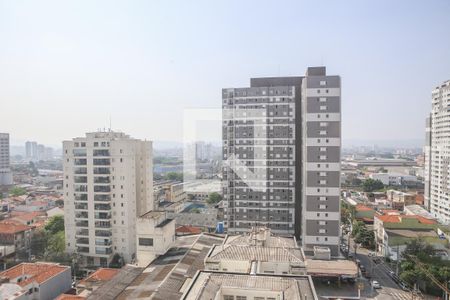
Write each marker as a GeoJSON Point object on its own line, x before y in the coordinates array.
{"type": "Point", "coordinates": [207, 285]}
{"type": "Point", "coordinates": [33, 272]}
{"type": "Point", "coordinates": [405, 218]}
{"type": "Point", "coordinates": [102, 274]}
{"type": "Point", "coordinates": [255, 253]}
{"type": "Point", "coordinates": [331, 268]}
{"type": "Point", "coordinates": [12, 227]}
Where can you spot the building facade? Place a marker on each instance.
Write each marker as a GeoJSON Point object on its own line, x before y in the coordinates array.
{"type": "Point", "coordinates": [437, 160]}
{"type": "Point", "coordinates": [5, 169]}
{"type": "Point", "coordinates": [281, 152]}
{"type": "Point", "coordinates": [108, 183]}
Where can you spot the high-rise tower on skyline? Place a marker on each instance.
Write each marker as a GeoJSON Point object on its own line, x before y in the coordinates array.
{"type": "Point", "coordinates": [108, 183]}
{"type": "Point", "coordinates": [281, 151]}
{"type": "Point", "coordinates": [437, 155]}
{"type": "Point", "coordinates": [5, 168]}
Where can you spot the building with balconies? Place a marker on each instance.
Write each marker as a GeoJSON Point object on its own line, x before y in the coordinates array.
{"type": "Point", "coordinates": [108, 183]}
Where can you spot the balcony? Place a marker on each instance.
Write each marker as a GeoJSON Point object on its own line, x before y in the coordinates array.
{"type": "Point", "coordinates": [80, 179]}
{"type": "Point", "coordinates": [82, 232]}
{"type": "Point", "coordinates": [80, 161]}
{"type": "Point", "coordinates": [81, 188]}
{"type": "Point", "coordinates": [102, 162]}
{"type": "Point", "coordinates": [80, 170]}
{"type": "Point", "coordinates": [102, 224]}
{"type": "Point", "coordinates": [103, 242]}
{"type": "Point", "coordinates": [102, 171]}
{"type": "Point", "coordinates": [102, 188]}
{"type": "Point", "coordinates": [83, 249]}
{"type": "Point", "coordinates": [79, 152]}
{"type": "Point", "coordinates": [102, 206]}
{"type": "Point", "coordinates": [103, 179]}
{"type": "Point", "coordinates": [102, 198]}
{"type": "Point", "coordinates": [99, 250]}
{"type": "Point", "coordinates": [82, 206]}
{"type": "Point", "coordinates": [82, 224]}
{"type": "Point", "coordinates": [102, 216]}
{"type": "Point", "coordinates": [81, 197]}
{"type": "Point", "coordinates": [81, 215]}
{"type": "Point", "coordinates": [103, 233]}
{"type": "Point", "coordinates": [101, 152]}
{"type": "Point", "coordinates": [82, 241]}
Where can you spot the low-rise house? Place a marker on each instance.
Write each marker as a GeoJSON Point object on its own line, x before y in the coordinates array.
{"type": "Point", "coordinates": [86, 286]}
{"type": "Point", "coordinates": [400, 199]}
{"type": "Point", "coordinates": [16, 234]}
{"type": "Point", "coordinates": [35, 281]}
{"type": "Point", "coordinates": [394, 231]}
{"type": "Point", "coordinates": [364, 213]}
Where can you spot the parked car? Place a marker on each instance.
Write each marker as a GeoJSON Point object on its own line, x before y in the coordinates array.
{"type": "Point", "coordinates": [403, 286]}
{"type": "Point", "coordinates": [372, 254]}
{"type": "Point", "coordinates": [376, 284]}
{"type": "Point", "coordinates": [358, 262]}
{"type": "Point", "coordinates": [350, 255]}
{"type": "Point", "coordinates": [362, 268]}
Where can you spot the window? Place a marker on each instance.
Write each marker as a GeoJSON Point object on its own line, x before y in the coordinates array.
{"type": "Point", "coordinates": [228, 297]}
{"type": "Point", "coordinates": [241, 297]}
{"type": "Point", "coordinates": [323, 107]}
{"type": "Point", "coordinates": [145, 242]}
{"type": "Point", "coordinates": [323, 82]}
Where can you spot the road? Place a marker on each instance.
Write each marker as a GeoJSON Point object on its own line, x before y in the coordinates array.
{"type": "Point", "coordinates": [380, 272]}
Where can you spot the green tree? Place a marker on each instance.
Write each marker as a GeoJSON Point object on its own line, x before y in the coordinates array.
{"type": "Point", "coordinates": [195, 210]}
{"type": "Point", "coordinates": [371, 185]}
{"type": "Point", "coordinates": [55, 224]}
{"type": "Point", "coordinates": [39, 242]}
{"type": "Point", "coordinates": [17, 191]}
{"type": "Point", "coordinates": [174, 176]}
{"type": "Point", "coordinates": [56, 244]}
{"type": "Point", "coordinates": [214, 198]}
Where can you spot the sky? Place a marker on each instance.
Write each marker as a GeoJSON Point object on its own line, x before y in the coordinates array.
{"type": "Point", "coordinates": [69, 67]}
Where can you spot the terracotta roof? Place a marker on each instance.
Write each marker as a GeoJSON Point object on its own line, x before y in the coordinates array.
{"type": "Point", "coordinates": [188, 229]}
{"type": "Point", "coordinates": [36, 272]}
{"type": "Point", "coordinates": [361, 207]}
{"type": "Point", "coordinates": [398, 219]}
{"type": "Point", "coordinates": [69, 297]}
{"type": "Point", "coordinates": [102, 274]}
{"type": "Point", "coordinates": [12, 227]}
{"type": "Point", "coordinates": [28, 216]}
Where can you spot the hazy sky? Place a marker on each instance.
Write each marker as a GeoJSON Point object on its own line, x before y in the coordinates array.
{"type": "Point", "coordinates": [66, 66]}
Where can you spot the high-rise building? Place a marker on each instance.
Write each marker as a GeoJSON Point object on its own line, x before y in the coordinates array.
{"type": "Point", "coordinates": [437, 156]}
{"type": "Point", "coordinates": [108, 183]}
{"type": "Point", "coordinates": [281, 152]}
{"type": "Point", "coordinates": [5, 168]}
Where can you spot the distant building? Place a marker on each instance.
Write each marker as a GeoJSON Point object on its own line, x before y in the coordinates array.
{"type": "Point", "coordinates": [86, 286]}
{"type": "Point", "coordinates": [394, 179]}
{"type": "Point", "coordinates": [437, 156]}
{"type": "Point", "coordinates": [400, 199]}
{"type": "Point", "coordinates": [35, 281]}
{"type": "Point", "coordinates": [5, 168]}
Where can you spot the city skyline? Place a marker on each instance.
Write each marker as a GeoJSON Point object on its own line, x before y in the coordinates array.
{"type": "Point", "coordinates": [141, 65]}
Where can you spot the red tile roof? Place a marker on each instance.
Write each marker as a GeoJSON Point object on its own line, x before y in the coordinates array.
{"type": "Point", "coordinates": [188, 229]}
{"type": "Point", "coordinates": [12, 227]}
{"type": "Point", "coordinates": [102, 274]}
{"type": "Point", "coordinates": [29, 216]}
{"type": "Point", "coordinates": [398, 219]}
{"type": "Point", "coordinates": [36, 272]}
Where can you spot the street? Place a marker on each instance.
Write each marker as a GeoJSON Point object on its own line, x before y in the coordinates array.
{"type": "Point", "coordinates": [379, 271]}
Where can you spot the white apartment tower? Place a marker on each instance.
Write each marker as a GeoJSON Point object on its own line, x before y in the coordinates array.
{"type": "Point", "coordinates": [108, 183]}
{"type": "Point", "coordinates": [5, 170]}
{"type": "Point", "coordinates": [437, 155]}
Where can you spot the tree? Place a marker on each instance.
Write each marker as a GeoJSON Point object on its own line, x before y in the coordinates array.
{"type": "Point", "coordinates": [371, 185]}
{"type": "Point", "coordinates": [55, 224]}
{"type": "Point", "coordinates": [214, 198]}
{"type": "Point", "coordinates": [195, 210]}
{"type": "Point", "coordinates": [174, 176]}
{"type": "Point", "coordinates": [39, 242]}
{"type": "Point", "coordinates": [17, 191]}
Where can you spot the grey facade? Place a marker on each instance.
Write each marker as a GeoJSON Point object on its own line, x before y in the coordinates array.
{"type": "Point", "coordinates": [293, 121]}
{"type": "Point", "coordinates": [5, 170]}
{"type": "Point", "coordinates": [437, 156]}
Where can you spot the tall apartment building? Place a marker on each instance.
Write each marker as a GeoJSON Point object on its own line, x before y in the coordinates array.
{"type": "Point", "coordinates": [281, 151]}
{"type": "Point", "coordinates": [108, 183]}
{"type": "Point", "coordinates": [5, 168]}
{"type": "Point", "coordinates": [437, 160]}
{"type": "Point", "coordinates": [31, 150]}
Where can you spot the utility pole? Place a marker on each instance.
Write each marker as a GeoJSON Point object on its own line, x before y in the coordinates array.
{"type": "Point", "coordinates": [396, 264]}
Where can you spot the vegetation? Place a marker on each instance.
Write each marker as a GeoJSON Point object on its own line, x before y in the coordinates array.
{"type": "Point", "coordinates": [166, 160]}
{"type": "Point", "coordinates": [412, 273]}
{"type": "Point", "coordinates": [174, 176]}
{"type": "Point", "coordinates": [17, 191]}
{"type": "Point", "coordinates": [49, 243]}
{"type": "Point", "coordinates": [371, 185]}
{"type": "Point", "coordinates": [214, 198]}
{"type": "Point", "coordinates": [347, 213]}
{"type": "Point", "coordinates": [116, 261]}
{"type": "Point", "coordinates": [363, 236]}
{"type": "Point", "coordinates": [195, 210]}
